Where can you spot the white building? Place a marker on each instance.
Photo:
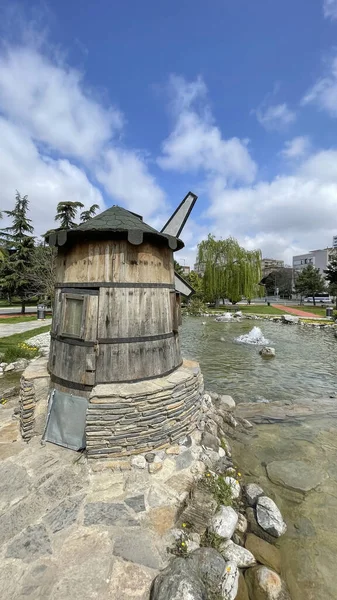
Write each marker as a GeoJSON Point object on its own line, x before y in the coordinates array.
{"type": "Point", "coordinates": [317, 258]}
{"type": "Point", "coordinates": [334, 241]}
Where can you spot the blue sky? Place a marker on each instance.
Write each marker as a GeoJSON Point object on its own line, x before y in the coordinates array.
{"type": "Point", "coordinates": [138, 103]}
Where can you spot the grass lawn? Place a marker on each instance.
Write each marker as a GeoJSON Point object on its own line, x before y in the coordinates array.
{"type": "Point", "coordinates": [12, 320]}
{"type": "Point", "coordinates": [316, 310]}
{"type": "Point", "coordinates": [10, 346]}
{"type": "Point", "coordinates": [258, 309]}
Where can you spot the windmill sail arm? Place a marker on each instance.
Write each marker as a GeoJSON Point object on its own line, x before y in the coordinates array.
{"type": "Point", "coordinates": [176, 222]}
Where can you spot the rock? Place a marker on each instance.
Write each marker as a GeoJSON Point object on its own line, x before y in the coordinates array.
{"type": "Point", "coordinates": [149, 457]}
{"type": "Point", "coordinates": [9, 368]}
{"type": "Point", "coordinates": [222, 465]}
{"type": "Point", "coordinates": [21, 364]}
{"type": "Point", "coordinates": [230, 582]}
{"type": "Point", "coordinates": [162, 519]}
{"type": "Point", "coordinates": [267, 352]}
{"type": "Point", "coordinates": [173, 449]}
{"type": "Point", "coordinates": [265, 553]}
{"type": "Point", "coordinates": [238, 538]}
{"type": "Point", "coordinates": [65, 514]}
{"type": "Point", "coordinates": [184, 460]}
{"type": "Point", "coordinates": [154, 467]}
{"type": "Point", "coordinates": [223, 523]}
{"type": "Point", "coordinates": [138, 547]}
{"type": "Point", "coordinates": [242, 524]}
{"type": "Point", "coordinates": [210, 442]}
{"type": "Point", "coordinates": [178, 582]}
{"type": "Point", "coordinates": [254, 527]}
{"type": "Point", "coordinates": [221, 452]}
{"type": "Point", "coordinates": [295, 475]}
{"type": "Point", "coordinates": [136, 503]}
{"type": "Point", "coordinates": [229, 419]}
{"type": "Point", "coordinates": [32, 543]}
{"type": "Point", "coordinates": [209, 564]}
{"type": "Point", "coordinates": [139, 462]}
{"type": "Point", "coordinates": [290, 319]}
{"type": "Point", "coordinates": [213, 395]}
{"type": "Point", "coordinates": [185, 441]}
{"type": "Point", "coordinates": [269, 517]}
{"type": "Point", "coordinates": [234, 553]}
{"type": "Point", "coordinates": [128, 581]}
{"type": "Point", "coordinates": [225, 402]}
{"type": "Point", "coordinates": [265, 584]}
{"type": "Point", "coordinates": [211, 427]}
{"type": "Point", "coordinates": [234, 485]}
{"type": "Point", "coordinates": [105, 513]}
{"type": "Point", "coordinates": [242, 589]}
{"type": "Point", "coordinates": [252, 493]}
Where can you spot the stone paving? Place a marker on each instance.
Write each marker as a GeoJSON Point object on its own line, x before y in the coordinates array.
{"type": "Point", "coordinates": [7, 329]}
{"type": "Point", "coordinates": [75, 530]}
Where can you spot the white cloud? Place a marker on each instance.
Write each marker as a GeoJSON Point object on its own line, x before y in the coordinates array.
{"type": "Point", "coordinates": [45, 180]}
{"type": "Point", "coordinates": [50, 119]}
{"type": "Point", "coordinates": [275, 117]}
{"type": "Point", "coordinates": [330, 9]}
{"type": "Point", "coordinates": [51, 101]}
{"type": "Point", "coordinates": [125, 176]}
{"type": "Point", "coordinates": [285, 216]}
{"type": "Point", "coordinates": [196, 144]}
{"type": "Point", "coordinates": [324, 92]}
{"type": "Point", "coordinates": [296, 148]}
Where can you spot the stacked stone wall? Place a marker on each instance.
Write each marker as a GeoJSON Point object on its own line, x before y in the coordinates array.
{"type": "Point", "coordinates": [34, 391]}
{"type": "Point", "coordinates": [125, 419]}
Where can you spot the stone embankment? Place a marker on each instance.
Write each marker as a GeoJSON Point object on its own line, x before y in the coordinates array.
{"type": "Point", "coordinates": [225, 539]}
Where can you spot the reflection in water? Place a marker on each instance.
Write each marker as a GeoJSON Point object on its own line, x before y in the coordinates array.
{"type": "Point", "coordinates": [304, 367]}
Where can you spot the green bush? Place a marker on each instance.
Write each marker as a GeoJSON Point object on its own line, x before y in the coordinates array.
{"type": "Point", "coordinates": [196, 307]}
{"type": "Point", "coordinates": [21, 350]}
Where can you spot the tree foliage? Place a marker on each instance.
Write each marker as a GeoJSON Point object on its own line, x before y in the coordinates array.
{"type": "Point", "coordinates": [42, 276]}
{"type": "Point", "coordinates": [309, 282]}
{"type": "Point", "coordinates": [281, 279]}
{"type": "Point", "coordinates": [196, 282]}
{"type": "Point", "coordinates": [178, 269]}
{"type": "Point", "coordinates": [230, 271]}
{"type": "Point", "coordinates": [19, 247]}
{"type": "Point", "coordinates": [331, 275]}
{"type": "Point", "coordinates": [66, 213]}
{"type": "Point", "coordinates": [86, 215]}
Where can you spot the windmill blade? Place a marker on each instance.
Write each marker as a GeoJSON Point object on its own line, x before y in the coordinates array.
{"type": "Point", "coordinates": [176, 222]}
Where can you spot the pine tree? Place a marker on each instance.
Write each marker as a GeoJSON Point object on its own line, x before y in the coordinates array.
{"type": "Point", "coordinates": [66, 213]}
{"type": "Point", "coordinates": [88, 214]}
{"type": "Point", "coordinates": [309, 282]}
{"type": "Point", "coordinates": [19, 246]}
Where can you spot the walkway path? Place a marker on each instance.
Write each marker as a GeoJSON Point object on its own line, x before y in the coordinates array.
{"type": "Point", "coordinates": [7, 329]}
{"type": "Point", "coordinates": [296, 311]}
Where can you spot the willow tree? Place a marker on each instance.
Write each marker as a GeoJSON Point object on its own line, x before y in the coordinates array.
{"type": "Point", "coordinates": [230, 271]}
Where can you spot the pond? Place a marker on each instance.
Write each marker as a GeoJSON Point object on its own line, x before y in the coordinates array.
{"type": "Point", "coordinates": [305, 363]}
{"type": "Point", "coordinates": [303, 370]}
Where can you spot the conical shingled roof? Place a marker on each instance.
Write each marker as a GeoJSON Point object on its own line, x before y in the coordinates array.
{"type": "Point", "coordinates": [119, 220]}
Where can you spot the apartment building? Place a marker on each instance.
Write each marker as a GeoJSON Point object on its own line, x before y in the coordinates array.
{"type": "Point", "coordinates": [334, 241]}
{"type": "Point", "coordinates": [317, 258]}
{"type": "Point", "coordinates": [270, 264]}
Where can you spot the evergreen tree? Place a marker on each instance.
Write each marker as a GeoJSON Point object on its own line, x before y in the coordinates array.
{"type": "Point", "coordinates": [230, 271]}
{"type": "Point", "coordinates": [66, 213]}
{"type": "Point", "coordinates": [178, 269]}
{"type": "Point", "coordinates": [331, 275]}
{"type": "Point", "coordinates": [19, 246]}
{"type": "Point", "coordinates": [309, 282]}
{"type": "Point", "coordinates": [88, 214]}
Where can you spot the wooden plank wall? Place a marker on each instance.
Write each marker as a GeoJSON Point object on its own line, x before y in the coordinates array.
{"type": "Point", "coordinates": [133, 312]}
{"type": "Point", "coordinates": [118, 261]}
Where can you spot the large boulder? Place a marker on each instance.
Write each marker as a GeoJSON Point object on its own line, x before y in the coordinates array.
{"type": "Point", "coordinates": [290, 319]}
{"type": "Point", "coordinates": [252, 493]}
{"type": "Point", "coordinates": [241, 556]}
{"type": "Point", "coordinates": [209, 565]}
{"type": "Point", "coordinates": [269, 517]}
{"type": "Point", "coordinates": [178, 582]}
{"type": "Point", "coordinates": [254, 527]}
{"type": "Point", "coordinates": [224, 522]}
{"type": "Point", "coordinates": [267, 352]}
{"type": "Point", "coordinates": [265, 584]}
{"type": "Point", "coordinates": [265, 553]}
{"type": "Point", "coordinates": [230, 581]}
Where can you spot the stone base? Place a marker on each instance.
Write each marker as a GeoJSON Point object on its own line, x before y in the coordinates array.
{"type": "Point", "coordinates": [34, 392]}
{"type": "Point", "coordinates": [133, 418]}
